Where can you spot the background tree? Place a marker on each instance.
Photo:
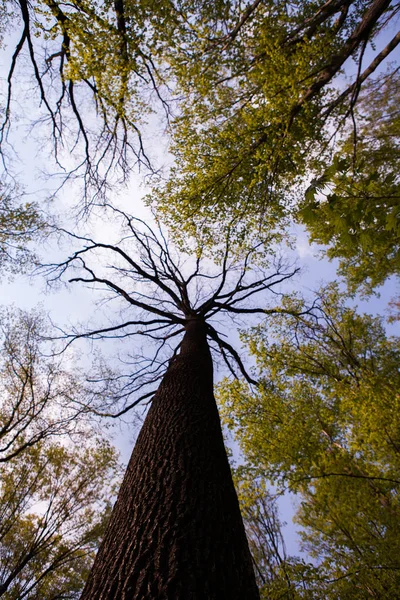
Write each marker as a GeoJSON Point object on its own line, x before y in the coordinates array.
{"type": "Point", "coordinates": [55, 501]}
{"type": "Point", "coordinates": [324, 424]}
{"type": "Point", "coordinates": [57, 470]}
{"type": "Point", "coordinates": [40, 398]}
{"type": "Point", "coordinates": [90, 75]}
{"type": "Point", "coordinates": [278, 574]}
{"type": "Point", "coordinates": [177, 501]}
{"type": "Point", "coordinates": [20, 224]}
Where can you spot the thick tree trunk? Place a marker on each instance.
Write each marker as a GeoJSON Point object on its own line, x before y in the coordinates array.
{"type": "Point", "coordinates": [176, 531]}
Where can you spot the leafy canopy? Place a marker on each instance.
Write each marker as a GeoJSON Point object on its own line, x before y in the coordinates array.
{"type": "Point", "coordinates": [247, 89]}
{"type": "Point", "coordinates": [260, 103]}
{"type": "Point", "coordinates": [354, 206]}
{"type": "Point", "coordinates": [324, 423]}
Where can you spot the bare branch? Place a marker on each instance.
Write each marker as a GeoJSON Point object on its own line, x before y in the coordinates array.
{"type": "Point", "coordinates": [142, 274]}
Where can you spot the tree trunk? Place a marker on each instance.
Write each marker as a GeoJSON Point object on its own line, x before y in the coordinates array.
{"type": "Point", "coordinates": [176, 531]}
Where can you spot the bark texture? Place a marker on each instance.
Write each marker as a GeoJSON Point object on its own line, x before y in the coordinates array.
{"type": "Point", "coordinates": [176, 531]}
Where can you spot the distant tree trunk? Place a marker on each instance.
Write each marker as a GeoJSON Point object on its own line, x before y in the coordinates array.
{"type": "Point", "coordinates": [176, 531]}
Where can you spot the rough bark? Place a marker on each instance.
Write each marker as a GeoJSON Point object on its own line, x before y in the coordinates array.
{"type": "Point", "coordinates": [176, 531]}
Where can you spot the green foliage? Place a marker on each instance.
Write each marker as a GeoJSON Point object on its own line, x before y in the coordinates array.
{"type": "Point", "coordinates": [354, 206]}
{"type": "Point", "coordinates": [97, 50]}
{"type": "Point", "coordinates": [247, 90]}
{"type": "Point", "coordinates": [258, 107]}
{"type": "Point", "coordinates": [325, 425]}
{"type": "Point", "coordinates": [20, 224]}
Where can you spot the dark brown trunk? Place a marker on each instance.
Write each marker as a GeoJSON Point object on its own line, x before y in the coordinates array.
{"type": "Point", "coordinates": [176, 531]}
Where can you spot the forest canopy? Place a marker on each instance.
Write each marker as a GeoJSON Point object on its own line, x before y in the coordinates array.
{"type": "Point", "coordinates": [247, 123]}
{"type": "Point", "coordinates": [252, 95]}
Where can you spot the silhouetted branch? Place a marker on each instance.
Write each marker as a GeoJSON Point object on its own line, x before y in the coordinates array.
{"type": "Point", "coordinates": [102, 131]}
{"type": "Point", "coordinates": [143, 272]}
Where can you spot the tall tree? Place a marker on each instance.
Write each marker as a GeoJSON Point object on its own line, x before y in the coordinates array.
{"type": "Point", "coordinates": [329, 402]}
{"type": "Point", "coordinates": [176, 529]}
